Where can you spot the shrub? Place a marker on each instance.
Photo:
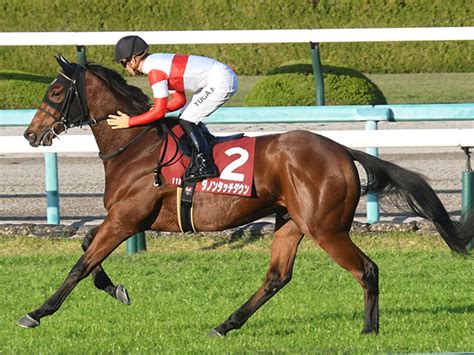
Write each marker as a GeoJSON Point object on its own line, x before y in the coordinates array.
{"type": "Point", "coordinates": [293, 85]}
{"type": "Point", "coordinates": [20, 90]}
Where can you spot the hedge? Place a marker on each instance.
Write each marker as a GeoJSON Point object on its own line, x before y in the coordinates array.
{"type": "Point", "coordinates": [22, 90]}
{"type": "Point", "coordinates": [251, 59]}
{"type": "Point", "coordinates": [292, 84]}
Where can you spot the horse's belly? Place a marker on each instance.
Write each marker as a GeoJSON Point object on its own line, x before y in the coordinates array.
{"type": "Point", "coordinates": [215, 213]}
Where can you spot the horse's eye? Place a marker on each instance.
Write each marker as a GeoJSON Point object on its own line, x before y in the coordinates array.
{"type": "Point", "coordinates": [55, 94]}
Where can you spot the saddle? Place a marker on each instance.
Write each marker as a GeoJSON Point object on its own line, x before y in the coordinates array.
{"type": "Point", "coordinates": [177, 156]}
{"type": "Point", "coordinates": [185, 146]}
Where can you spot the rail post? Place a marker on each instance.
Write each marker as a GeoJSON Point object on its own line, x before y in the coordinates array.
{"type": "Point", "coordinates": [467, 184]}
{"type": "Point", "coordinates": [372, 116]}
{"type": "Point", "coordinates": [81, 54]}
{"type": "Point", "coordinates": [373, 208]}
{"type": "Point", "coordinates": [318, 73]}
{"type": "Point", "coordinates": [467, 189]}
{"type": "Point", "coordinates": [141, 241]}
{"type": "Point", "coordinates": [137, 242]}
{"type": "Point", "coordinates": [131, 245]}
{"type": "Point", "coordinates": [52, 193]}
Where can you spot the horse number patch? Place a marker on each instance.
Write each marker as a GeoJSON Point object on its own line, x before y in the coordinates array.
{"type": "Point", "coordinates": [235, 162]}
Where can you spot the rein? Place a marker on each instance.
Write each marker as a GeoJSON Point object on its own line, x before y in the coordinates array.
{"type": "Point", "coordinates": [135, 139]}
{"type": "Point", "coordinates": [119, 151]}
{"type": "Point", "coordinates": [168, 132]}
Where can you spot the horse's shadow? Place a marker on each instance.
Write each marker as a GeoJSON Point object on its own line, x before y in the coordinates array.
{"type": "Point", "coordinates": [244, 236]}
{"type": "Point", "coordinates": [461, 309]}
{"type": "Point", "coordinates": [348, 315]}
{"type": "Point", "coordinates": [25, 77]}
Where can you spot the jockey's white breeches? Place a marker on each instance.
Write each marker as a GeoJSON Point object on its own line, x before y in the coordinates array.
{"type": "Point", "coordinates": [221, 86]}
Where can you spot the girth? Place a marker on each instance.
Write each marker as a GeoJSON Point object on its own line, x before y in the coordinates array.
{"type": "Point", "coordinates": [184, 200]}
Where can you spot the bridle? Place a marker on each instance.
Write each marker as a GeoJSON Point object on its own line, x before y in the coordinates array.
{"type": "Point", "coordinates": [73, 110]}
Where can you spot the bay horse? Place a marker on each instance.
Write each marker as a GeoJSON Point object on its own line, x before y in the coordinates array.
{"type": "Point", "coordinates": [309, 182]}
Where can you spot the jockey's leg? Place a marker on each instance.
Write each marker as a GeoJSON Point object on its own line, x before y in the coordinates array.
{"type": "Point", "coordinates": [205, 167]}
{"type": "Point", "coordinates": [221, 85]}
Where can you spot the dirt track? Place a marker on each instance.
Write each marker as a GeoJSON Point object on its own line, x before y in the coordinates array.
{"type": "Point", "coordinates": [81, 177]}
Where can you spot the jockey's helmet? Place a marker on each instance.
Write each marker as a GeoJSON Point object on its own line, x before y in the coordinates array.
{"type": "Point", "coordinates": [129, 46]}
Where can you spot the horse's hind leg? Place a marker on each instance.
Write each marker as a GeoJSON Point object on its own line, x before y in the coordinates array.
{"type": "Point", "coordinates": [341, 249]}
{"type": "Point", "coordinates": [322, 202]}
{"type": "Point", "coordinates": [284, 247]}
{"type": "Point", "coordinates": [101, 280]}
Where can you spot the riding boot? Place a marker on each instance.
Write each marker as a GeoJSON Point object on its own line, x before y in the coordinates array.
{"type": "Point", "coordinates": [204, 167]}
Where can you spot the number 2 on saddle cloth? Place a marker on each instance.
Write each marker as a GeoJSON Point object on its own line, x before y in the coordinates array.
{"type": "Point", "coordinates": [234, 160]}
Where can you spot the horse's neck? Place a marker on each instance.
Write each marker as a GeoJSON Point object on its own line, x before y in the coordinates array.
{"type": "Point", "coordinates": [108, 140]}
{"type": "Point", "coordinates": [119, 143]}
{"type": "Point", "coordinates": [102, 101]}
{"type": "Point", "coordinates": [111, 140]}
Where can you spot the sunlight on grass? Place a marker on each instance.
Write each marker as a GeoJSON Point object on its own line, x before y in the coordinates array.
{"type": "Point", "coordinates": [424, 88]}
{"type": "Point", "coordinates": [182, 287]}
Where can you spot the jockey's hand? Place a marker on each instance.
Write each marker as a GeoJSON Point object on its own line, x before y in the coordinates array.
{"type": "Point", "coordinates": [118, 121]}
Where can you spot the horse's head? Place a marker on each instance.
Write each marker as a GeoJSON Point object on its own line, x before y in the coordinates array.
{"type": "Point", "coordinates": [64, 105]}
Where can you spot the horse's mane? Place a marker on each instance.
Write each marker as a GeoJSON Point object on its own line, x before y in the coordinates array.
{"type": "Point", "coordinates": [139, 102]}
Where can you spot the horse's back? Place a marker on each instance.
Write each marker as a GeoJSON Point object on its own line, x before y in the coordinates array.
{"type": "Point", "coordinates": [302, 144]}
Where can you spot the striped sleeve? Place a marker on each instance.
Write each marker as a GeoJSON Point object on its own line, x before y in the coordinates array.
{"type": "Point", "coordinates": [157, 112]}
{"type": "Point", "coordinates": [159, 83]}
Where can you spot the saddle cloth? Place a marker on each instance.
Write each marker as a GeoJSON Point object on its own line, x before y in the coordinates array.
{"type": "Point", "coordinates": [234, 160]}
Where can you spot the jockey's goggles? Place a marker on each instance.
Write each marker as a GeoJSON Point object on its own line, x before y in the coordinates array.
{"type": "Point", "coordinates": [124, 62]}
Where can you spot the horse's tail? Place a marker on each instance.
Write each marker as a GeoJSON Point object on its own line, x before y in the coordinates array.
{"type": "Point", "coordinates": [384, 178]}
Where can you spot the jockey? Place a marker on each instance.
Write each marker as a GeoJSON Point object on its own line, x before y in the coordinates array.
{"type": "Point", "coordinates": [210, 82]}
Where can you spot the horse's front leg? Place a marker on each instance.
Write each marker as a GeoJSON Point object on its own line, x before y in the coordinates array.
{"type": "Point", "coordinates": [101, 280]}
{"type": "Point", "coordinates": [109, 236]}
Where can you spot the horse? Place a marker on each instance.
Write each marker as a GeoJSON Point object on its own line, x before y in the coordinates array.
{"type": "Point", "coordinates": [310, 183]}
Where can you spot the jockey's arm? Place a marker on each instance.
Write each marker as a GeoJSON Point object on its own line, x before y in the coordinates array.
{"type": "Point", "coordinates": [159, 84]}
{"type": "Point", "coordinates": [178, 100]}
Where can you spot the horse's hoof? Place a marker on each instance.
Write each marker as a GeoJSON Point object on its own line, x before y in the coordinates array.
{"type": "Point", "coordinates": [370, 331]}
{"type": "Point", "coordinates": [215, 334]}
{"type": "Point", "coordinates": [28, 322]}
{"type": "Point", "coordinates": [122, 295]}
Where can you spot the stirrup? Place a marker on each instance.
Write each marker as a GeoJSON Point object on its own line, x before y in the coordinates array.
{"type": "Point", "coordinates": [197, 173]}
{"type": "Point", "coordinates": [200, 177]}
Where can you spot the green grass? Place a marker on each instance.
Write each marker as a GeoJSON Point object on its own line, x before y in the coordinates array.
{"type": "Point", "coordinates": [397, 88]}
{"type": "Point", "coordinates": [182, 287]}
{"type": "Point", "coordinates": [426, 88]}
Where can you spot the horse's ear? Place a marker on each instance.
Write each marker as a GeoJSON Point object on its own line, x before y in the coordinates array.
{"type": "Point", "coordinates": [64, 63]}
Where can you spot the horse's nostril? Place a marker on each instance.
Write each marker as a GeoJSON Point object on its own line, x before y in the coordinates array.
{"type": "Point", "coordinates": [30, 137]}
